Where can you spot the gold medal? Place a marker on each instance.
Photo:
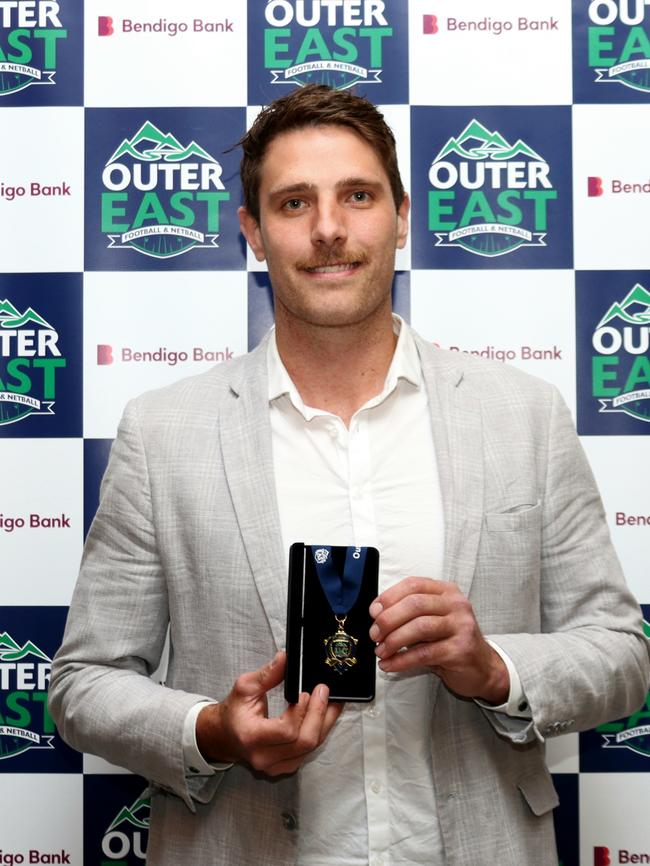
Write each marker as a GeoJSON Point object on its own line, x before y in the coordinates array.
{"type": "Point", "coordinates": [340, 648]}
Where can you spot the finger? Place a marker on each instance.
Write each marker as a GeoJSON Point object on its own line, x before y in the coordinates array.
{"type": "Point", "coordinates": [407, 586]}
{"type": "Point", "coordinates": [281, 731]}
{"type": "Point", "coordinates": [262, 680]}
{"type": "Point", "coordinates": [407, 609]}
{"type": "Point", "coordinates": [421, 630]}
{"type": "Point", "coordinates": [332, 713]}
{"type": "Point", "coordinates": [310, 731]}
{"type": "Point", "coordinates": [432, 655]}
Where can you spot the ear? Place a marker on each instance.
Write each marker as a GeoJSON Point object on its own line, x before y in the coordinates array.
{"type": "Point", "coordinates": [250, 228]}
{"type": "Point", "coordinates": [403, 222]}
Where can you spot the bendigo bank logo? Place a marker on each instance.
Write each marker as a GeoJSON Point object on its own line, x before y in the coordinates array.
{"type": "Point", "coordinates": [603, 856]}
{"type": "Point", "coordinates": [618, 43]}
{"type": "Point", "coordinates": [29, 41]}
{"type": "Point", "coordinates": [430, 24]}
{"type": "Point", "coordinates": [29, 360]}
{"type": "Point", "coordinates": [161, 198]}
{"type": "Point", "coordinates": [325, 42]}
{"type": "Point", "coordinates": [489, 197]}
{"type": "Point", "coordinates": [25, 722]}
{"type": "Point", "coordinates": [125, 840]}
{"type": "Point", "coordinates": [105, 26]}
{"type": "Point", "coordinates": [621, 363]}
{"type": "Point", "coordinates": [594, 187]}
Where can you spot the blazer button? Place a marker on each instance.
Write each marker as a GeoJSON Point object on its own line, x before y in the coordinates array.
{"type": "Point", "coordinates": [289, 821]}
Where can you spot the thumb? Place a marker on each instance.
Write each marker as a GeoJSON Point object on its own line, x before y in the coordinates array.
{"type": "Point", "coordinates": [271, 674]}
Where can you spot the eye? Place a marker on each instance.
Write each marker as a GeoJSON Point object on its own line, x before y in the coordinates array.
{"type": "Point", "coordinates": [293, 204]}
{"type": "Point", "coordinates": [360, 196]}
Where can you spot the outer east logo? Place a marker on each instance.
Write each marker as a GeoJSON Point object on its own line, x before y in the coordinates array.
{"type": "Point", "coordinates": [25, 722]}
{"type": "Point", "coordinates": [621, 366]}
{"type": "Point", "coordinates": [29, 43]}
{"type": "Point", "coordinates": [489, 197]}
{"type": "Point", "coordinates": [324, 42]}
{"type": "Point", "coordinates": [30, 358]}
{"type": "Point", "coordinates": [160, 197]}
{"type": "Point", "coordinates": [125, 840]}
{"type": "Point", "coordinates": [618, 44]}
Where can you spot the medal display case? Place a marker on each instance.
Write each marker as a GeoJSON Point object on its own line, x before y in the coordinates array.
{"type": "Point", "coordinates": [330, 591]}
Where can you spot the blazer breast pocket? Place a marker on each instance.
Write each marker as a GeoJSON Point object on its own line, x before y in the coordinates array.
{"type": "Point", "coordinates": [518, 518]}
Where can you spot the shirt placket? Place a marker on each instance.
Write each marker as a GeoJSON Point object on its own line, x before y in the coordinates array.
{"type": "Point", "coordinates": [373, 717]}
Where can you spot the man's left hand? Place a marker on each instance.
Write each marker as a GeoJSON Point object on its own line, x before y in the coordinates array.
{"type": "Point", "coordinates": [421, 622]}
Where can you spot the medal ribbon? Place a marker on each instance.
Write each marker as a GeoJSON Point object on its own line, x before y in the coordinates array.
{"type": "Point", "coordinates": [341, 590]}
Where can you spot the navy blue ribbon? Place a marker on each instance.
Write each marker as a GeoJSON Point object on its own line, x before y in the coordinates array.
{"type": "Point", "coordinates": [341, 590]}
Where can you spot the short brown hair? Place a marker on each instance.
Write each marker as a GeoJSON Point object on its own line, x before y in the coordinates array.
{"type": "Point", "coordinates": [316, 105]}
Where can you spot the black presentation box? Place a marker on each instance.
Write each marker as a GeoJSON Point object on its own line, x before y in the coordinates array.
{"type": "Point", "coordinates": [319, 649]}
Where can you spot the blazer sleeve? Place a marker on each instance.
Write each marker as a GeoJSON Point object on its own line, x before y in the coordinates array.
{"type": "Point", "coordinates": [101, 695]}
{"type": "Point", "coordinates": [591, 663]}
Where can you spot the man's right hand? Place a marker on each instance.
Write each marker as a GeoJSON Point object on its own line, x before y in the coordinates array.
{"type": "Point", "coordinates": [239, 728]}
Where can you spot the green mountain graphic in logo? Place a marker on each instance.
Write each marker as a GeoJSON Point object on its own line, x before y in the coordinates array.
{"type": "Point", "coordinates": [646, 628]}
{"type": "Point", "coordinates": [137, 815]}
{"type": "Point", "coordinates": [25, 723]}
{"type": "Point", "coordinates": [149, 144]}
{"type": "Point", "coordinates": [637, 296]}
{"type": "Point", "coordinates": [477, 142]}
{"type": "Point", "coordinates": [11, 652]}
{"type": "Point", "coordinates": [29, 359]}
{"type": "Point", "coordinates": [11, 318]}
{"type": "Point", "coordinates": [8, 309]}
{"type": "Point", "coordinates": [6, 641]}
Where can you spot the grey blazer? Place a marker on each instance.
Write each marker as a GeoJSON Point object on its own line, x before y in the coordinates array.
{"type": "Point", "coordinates": [188, 534]}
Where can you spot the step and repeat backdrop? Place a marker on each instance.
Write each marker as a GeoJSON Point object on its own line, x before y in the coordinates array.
{"type": "Point", "coordinates": [522, 129]}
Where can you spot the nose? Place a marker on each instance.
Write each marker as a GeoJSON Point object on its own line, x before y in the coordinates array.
{"type": "Point", "coordinates": [329, 225]}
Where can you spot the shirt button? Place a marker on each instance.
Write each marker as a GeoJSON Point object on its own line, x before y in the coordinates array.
{"type": "Point", "coordinates": [375, 787]}
{"type": "Point", "coordinates": [331, 429]}
{"type": "Point", "coordinates": [289, 821]}
{"type": "Point", "coordinates": [373, 712]}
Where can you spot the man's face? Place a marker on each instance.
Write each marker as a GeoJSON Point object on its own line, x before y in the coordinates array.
{"type": "Point", "coordinates": [328, 226]}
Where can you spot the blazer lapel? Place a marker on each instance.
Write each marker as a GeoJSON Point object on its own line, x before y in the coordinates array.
{"type": "Point", "coordinates": [456, 424]}
{"type": "Point", "coordinates": [457, 434]}
{"type": "Point", "coordinates": [245, 433]}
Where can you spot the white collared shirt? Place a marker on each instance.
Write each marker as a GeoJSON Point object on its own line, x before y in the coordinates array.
{"type": "Point", "coordinates": [366, 796]}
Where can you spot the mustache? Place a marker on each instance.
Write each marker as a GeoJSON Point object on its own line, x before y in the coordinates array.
{"type": "Point", "coordinates": [333, 256]}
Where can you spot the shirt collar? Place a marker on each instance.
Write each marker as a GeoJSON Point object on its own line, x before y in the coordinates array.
{"type": "Point", "coordinates": [405, 365]}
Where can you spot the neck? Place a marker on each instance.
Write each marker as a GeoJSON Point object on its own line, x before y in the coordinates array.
{"type": "Point", "coordinates": [337, 368]}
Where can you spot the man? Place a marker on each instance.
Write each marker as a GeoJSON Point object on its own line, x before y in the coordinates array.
{"type": "Point", "coordinates": [344, 427]}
